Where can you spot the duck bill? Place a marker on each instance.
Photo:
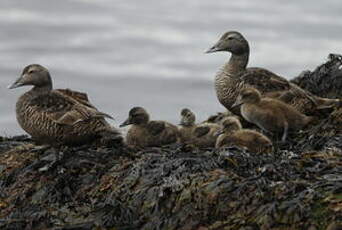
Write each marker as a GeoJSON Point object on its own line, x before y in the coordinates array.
{"type": "Point", "coordinates": [17, 83]}
{"type": "Point", "coordinates": [212, 50]}
{"type": "Point", "coordinates": [237, 103]}
{"type": "Point", "coordinates": [215, 48]}
{"type": "Point", "coordinates": [125, 123]}
{"type": "Point", "coordinates": [218, 133]}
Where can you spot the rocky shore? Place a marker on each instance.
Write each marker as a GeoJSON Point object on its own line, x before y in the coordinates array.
{"type": "Point", "coordinates": [299, 186]}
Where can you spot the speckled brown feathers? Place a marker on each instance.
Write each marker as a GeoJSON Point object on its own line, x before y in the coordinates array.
{"type": "Point", "coordinates": [59, 116]}
{"type": "Point", "coordinates": [235, 76]}
{"type": "Point", "coordinates": [232, 134]}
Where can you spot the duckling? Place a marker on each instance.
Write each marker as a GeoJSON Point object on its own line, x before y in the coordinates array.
{"type": "Point", "coordinates": [232, 134]}
{"type": "Point", "coordinates": [187, 125]}
{"type": "Point", "coordinates": [205, 135]}
{"type": "Point", "coordinates": [146, 133]}
{"type": "Point", "coordinates": [269, 114]}
{"type": "Point", "coordinates": [218, 117]}
{"type": "Point", "coordinates": [235, 76]}
{"type": "Point", "coordinates": [58, 116]}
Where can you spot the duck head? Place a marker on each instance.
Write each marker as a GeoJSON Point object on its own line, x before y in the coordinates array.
{"type": "Point", "coordinates": [231, 41]}
{"type": "Point", "coordinates": [230, 124]}
{"type": "Point", "coordinates": [247, 95]}
{"type": "Point", "coordinates": [188, 118]}
{"type": "Point", "coordinates": [35, 75]}
{"type": "Point", "coordinates": [137, 116]}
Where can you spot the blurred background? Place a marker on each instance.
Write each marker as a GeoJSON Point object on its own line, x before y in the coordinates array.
{"type": "Point", "coordinates": [151, 53]}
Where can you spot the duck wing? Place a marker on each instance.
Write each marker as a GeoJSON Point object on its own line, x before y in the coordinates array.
{"type": "Point", "coordinates": [64, 109]}
{"type": "Point", "coordinates": [264, 80]}
{"type": "Point", "coordinates": [156, 127]}
{"type": "Point", "coordinates": [76, 95]}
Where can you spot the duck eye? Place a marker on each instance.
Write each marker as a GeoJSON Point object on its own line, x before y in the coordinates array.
{"type": "Point", "coordinates": [230, 38]}
{"type": "Point", "coordinates": [31, 71]}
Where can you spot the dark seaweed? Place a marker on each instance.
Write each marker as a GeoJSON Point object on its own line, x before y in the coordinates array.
{"type": "Point", "coordinates": [299, 186]}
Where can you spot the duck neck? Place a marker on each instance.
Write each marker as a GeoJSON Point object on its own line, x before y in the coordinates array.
{"type": "Point", "coordinates": [237, 63]}
{"type": "Point", "coordinates": [41, 89]}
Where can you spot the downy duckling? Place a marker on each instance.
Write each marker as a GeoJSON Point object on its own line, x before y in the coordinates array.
{"type": "Point", "coordinates": [218, 117]}
{"type": "Point", "coordinates": [232, 134]}
{"type": "Point", "coordinates": [187, 125]}
{"type": "Point", "coordinates": [58, 116]}
{"type": "Point", "coordinates": [146, 133]}
{"type": "Point", "coordinates": [205, 135]}
{"type": "Point", "coordinates": [269, 114]}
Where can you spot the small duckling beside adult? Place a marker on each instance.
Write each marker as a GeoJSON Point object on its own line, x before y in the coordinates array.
{"type": "Point", "coordinates": [218, 117]}
{"type": "Point", "coordinates": [232, 134]}
{"type": "Point", "coordinates": [145, 133]}
{"type": "Point", "coordinates": [59, 116]}
{"type": "Point", "coordinates": [201, 135]}
{"type": "Point", "coordinates": [269, 114]}
{"type": "Point", "coordinates": [187, 125]}
{"type": "Point", "coordinates": [235, 76]}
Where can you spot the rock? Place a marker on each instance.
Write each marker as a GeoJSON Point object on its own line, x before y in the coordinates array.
{"type": "Point", "coordinates": [297, 187]}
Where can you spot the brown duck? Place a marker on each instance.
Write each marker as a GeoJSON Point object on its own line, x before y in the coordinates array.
{"type": "Point", "coordinates": [232, 134]}
{"type": "Point", "coordinates": [269, 114]}
{"type": "Point", "coordinates": [187, 125]}
{"type": "Point", "coordinates": [234, 76]}
{"type": "Point", "coordinates": [146, 133]}
{"type": "Point", "coordinates": [58, 116]}
{"type": "Point", "coordinates": [205, 135]}
{"type": "Point", "coordinates": [218, 117]}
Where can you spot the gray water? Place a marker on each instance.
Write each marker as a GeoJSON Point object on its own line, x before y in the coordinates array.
{"type": "Point", "coordinates": [125, 53]}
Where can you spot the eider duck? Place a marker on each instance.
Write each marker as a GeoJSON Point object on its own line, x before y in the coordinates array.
{"type": "Point", "coordinates": [58, 116]}
{"type": "Point", "coordinates": [187, 125]}
{"type": "Point", "coordinates": [146, 133]}
{"type": "Point", "coordinates": [232, 134]}
{"type": "Point", "coordinates": [269, 114]}
{"type": "Point", "coordinates": [205, 135]}
{"type": "Point", "coordinates": [234, 76]}
{"type": "Point", "coordinates": [218, 117]}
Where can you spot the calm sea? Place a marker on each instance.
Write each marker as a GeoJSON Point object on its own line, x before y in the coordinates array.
{"type": "Point", "coordinates": [150, 52]}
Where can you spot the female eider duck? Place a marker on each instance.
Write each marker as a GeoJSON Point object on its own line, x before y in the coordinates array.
{"type": "Point", "coordinates": [146, 133]}
{"type": "Point", "coordinates": [234, 76]}
{"type": "Point", "coordinates": [187, 125]}
{"type": "Point", "coordinates": [269, 114]}
{"type": "Point", "coordinates": [232, 134]}
{"type": "Point", "coordinates": [58, 116]}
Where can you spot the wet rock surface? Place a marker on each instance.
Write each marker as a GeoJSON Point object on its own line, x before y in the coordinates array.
{"type": "Point", "coordinates": [299, 186]}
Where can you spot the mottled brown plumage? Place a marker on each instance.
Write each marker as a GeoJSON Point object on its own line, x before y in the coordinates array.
{"type": "Point", "coordinates": [146, 133]}
{"type": "Point", "coordinates": [270, 114]}
{"type": "Point", "coordinates": [232, 134]}
{"type": "Point", "coordinates": [59, 116]}
{"type": "Point", "coordinates": [235, 76]}
{"type": "Point", "coordinates": [187, 125]}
